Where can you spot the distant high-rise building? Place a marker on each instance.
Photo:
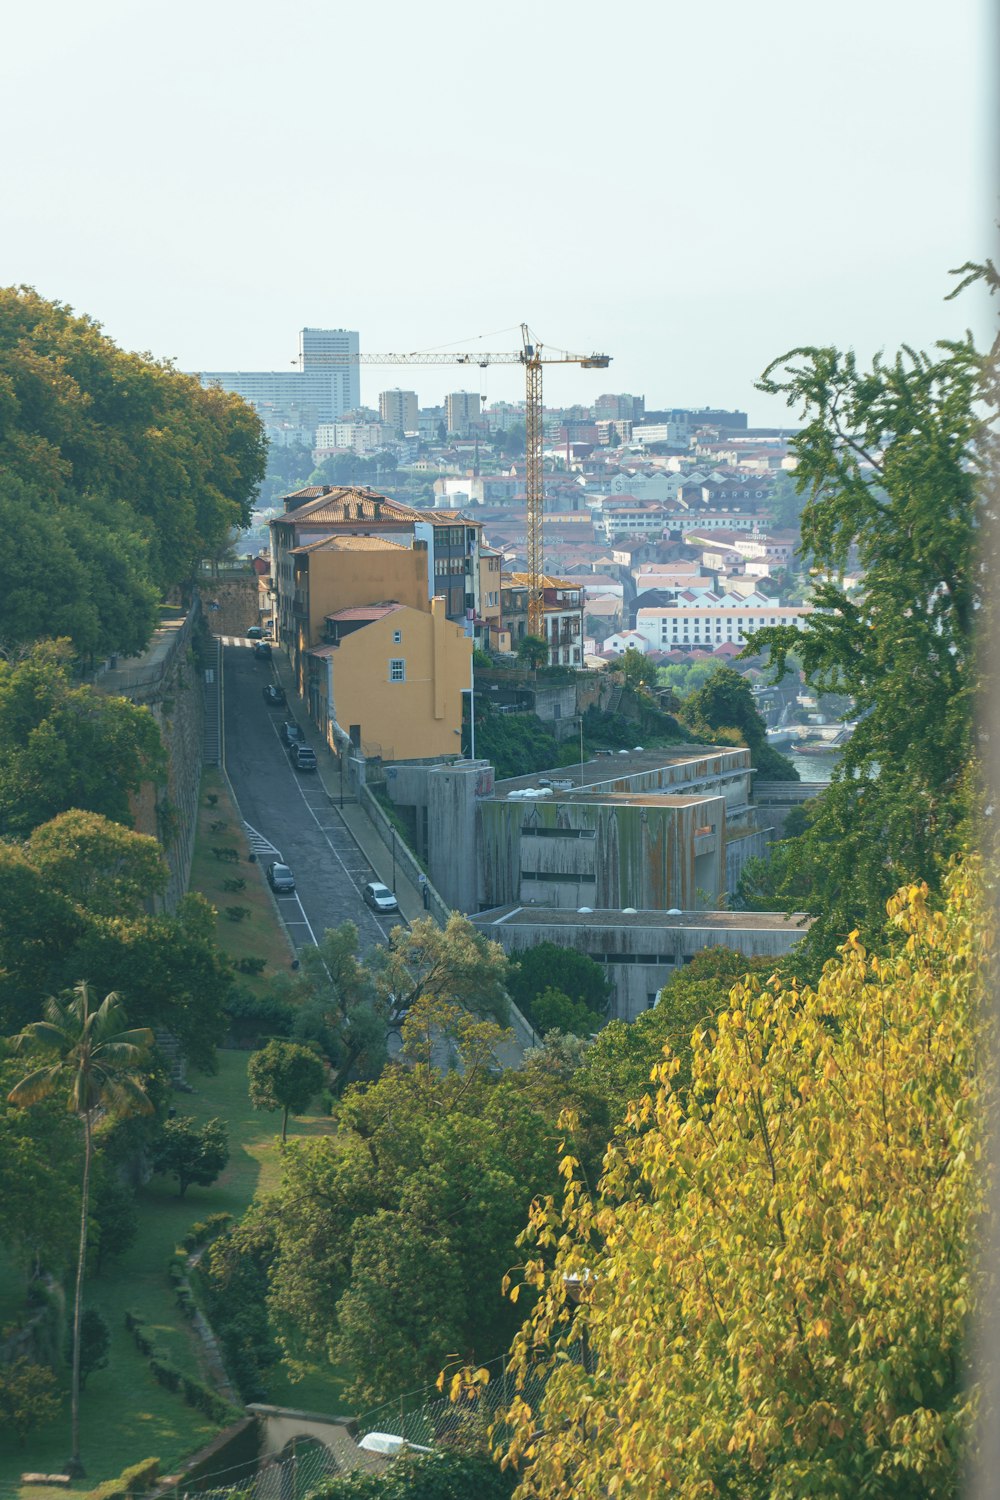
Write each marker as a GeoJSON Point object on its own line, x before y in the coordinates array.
{"type": "Point", "coordinates": [398, 410]}
{"type": "Point", "coordinates": [620, 408]}
{"type": "Point", "coordinates": [325, 384]}
{"type": "Point", "coordinates": [462, 408]}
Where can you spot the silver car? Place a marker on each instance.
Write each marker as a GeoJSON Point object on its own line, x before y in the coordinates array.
{"type": "Point", "coordinates": [379, 897]}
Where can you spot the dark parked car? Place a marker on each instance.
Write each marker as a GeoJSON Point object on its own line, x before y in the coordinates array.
{"type": "Point", "coordinates": [262, 650]}
{"type": "Point", "coordinates": [274, 696]}
{"type": "Point", "coordinates": [304, 758]}
{"type": "Point", "coordinates": [254, 633]}
{"type": "Point", "coordinates": [379, 897]}
{"type": "Point", "coordinates": [291, 734]}
{"type": "Point", "coordinates": [280, 878]}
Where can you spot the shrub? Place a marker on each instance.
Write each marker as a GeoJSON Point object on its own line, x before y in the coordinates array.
{"type": "Point", "coordinates": [130, 1482]}
{"type": "Point", "coordinates": [251, 965]}
{"type": "Point", "coordinates": [234, 883]}
{"type": "Point", "coordinates": [238, 913]}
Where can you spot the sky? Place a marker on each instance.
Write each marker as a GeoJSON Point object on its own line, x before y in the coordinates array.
{"type": "Point", "coordinates": [692, 189]}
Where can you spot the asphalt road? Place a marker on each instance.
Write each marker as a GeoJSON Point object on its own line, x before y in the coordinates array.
{"type": "Point", "coordinates": [289, 812]}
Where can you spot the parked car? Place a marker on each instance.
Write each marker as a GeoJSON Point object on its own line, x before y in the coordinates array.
{"type": "Point", "coordinates": [291, 734]}
{"type": "Point", "coordinates": [274, 696]}
{"type": "Point", "coordinates": [304, 758]}
{"type": "Point", "coordinates": [379, 897]}
{"type": "Point", "coordinates": [262, 650]}
{"type": "Point", "coordinates": [255, 632]}
{"type": "Point", "coordinates": [280, 878]}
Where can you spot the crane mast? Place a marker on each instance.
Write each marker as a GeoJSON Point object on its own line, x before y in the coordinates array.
{"type": "Point", "coordinates": [532, 358]}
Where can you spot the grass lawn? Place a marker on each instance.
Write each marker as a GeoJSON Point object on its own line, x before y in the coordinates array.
{"type": "Point", "coordinates": [125, 1415]}
{"type": "Point", "coordinates": [260, 934]}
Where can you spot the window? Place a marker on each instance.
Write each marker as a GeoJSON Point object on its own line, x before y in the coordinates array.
{"type": "Point", "coordinates": [397, 669]}
{"type": "Point", "coordinates": [397, 636]}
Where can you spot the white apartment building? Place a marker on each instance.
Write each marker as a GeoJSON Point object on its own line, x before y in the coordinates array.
{"type": "Point", "coordinates": [398, 410]}
{"type": "Point", "coordinates": [326, 383]}
{"type": "Point", "coordinates": [360, 437]}
{"type": "Point", "coordinates": [621, 517]}
{"type": "Point", "coordinates": [709, 620]}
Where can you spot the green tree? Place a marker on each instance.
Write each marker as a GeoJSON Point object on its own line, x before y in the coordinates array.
{"type": "Point", "coordinates": [621, 1061]}
{"type": "Point", "coordinates": [769, 1291]}
{"type": "Point", "coordinates": [890, 460]}
{"type": "Point", "coordinates": [549, 966]}
{"type": "Point", "coordinates": [40, 1166]}
{"type": "Point", "coordinates": [553, 1010]}
{"type": "Point", "coordinates": [786, 502]}
{"type": "Point", "coordinates": [64, 746]}
{"type": "Point", "coordinates": [343, 1010]}
{"type": "Point", "coordinates": [114, 1219]}
{"type": "Point", "coordinates": [93, 1064]}
{"type": "Point", "coordinates": [387, 1252]}
{"type": "Point", "coordinates": [442, 1475]}
{"type": "Point", "coordinates": [724, 703]}
{"type": "Point", "coordinates": [192, 1153]}
{"type": "Point", "coordinates": [453, 964]}
{"type": "Point", "coordinates": [95, 1344]}
{"type": "Point", "coordinates": [145, 470]}
{"type": "Point", "coordinates": [28, 1396]}
{"type": "Point", "coordinates": [284, 1076]}
{"type": "Point", "coordinates": [532, 652]}
{"type": "Point", "coordinates": [105, 868]}
{"type": "Point", "coordinates": [634, 668]}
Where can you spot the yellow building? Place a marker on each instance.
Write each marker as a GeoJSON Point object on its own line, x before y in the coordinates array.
{"type": "Point", "coordinates": [391, 678]}
{"type": "Point", "coordinates": [335, 572]}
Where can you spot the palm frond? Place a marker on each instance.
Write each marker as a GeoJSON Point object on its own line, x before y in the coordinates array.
{"type": "Point", "coordinates": [36, 1086]}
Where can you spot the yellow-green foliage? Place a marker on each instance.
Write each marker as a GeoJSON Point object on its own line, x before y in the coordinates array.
{"type": "Point", "coordinates": [130, 1482]}
{"type": "Point", "coordinates": [775, 1273]}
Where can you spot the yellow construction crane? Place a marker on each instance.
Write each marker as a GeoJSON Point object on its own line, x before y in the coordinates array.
{"type": "Point", "coordinates": [532, 358]}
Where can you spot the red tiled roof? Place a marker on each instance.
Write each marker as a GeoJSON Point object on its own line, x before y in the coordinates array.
{"type": "Point", "coordinates": [366, 611]}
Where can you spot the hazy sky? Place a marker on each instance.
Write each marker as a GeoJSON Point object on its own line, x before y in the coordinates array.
{"type": "Point", "coordinates": [692, 188]}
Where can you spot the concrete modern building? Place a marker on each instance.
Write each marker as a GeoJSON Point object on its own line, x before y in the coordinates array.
{"type": "Point", "coordinates": [641, 950]}
{"type": "Point", "coordinates": [624, 858]}
{"type": "Point", "coordinates": [325, 383]}
{"type": "Point", "coordinates": [398, 410]}
{"type": "Point", "coordinates": [462, 410]}
{"type": "Point", "coordinates": [647, 829]}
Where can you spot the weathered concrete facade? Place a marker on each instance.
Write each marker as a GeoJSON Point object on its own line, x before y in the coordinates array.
{"type": "Point", "coordinates": [644, 829]}
{"type": "Point", "coordinates": [619, 850]}
{"type": "Point", "coordinates": [641, 950]}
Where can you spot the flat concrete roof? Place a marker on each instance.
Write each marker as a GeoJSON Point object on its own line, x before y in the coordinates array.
{"type": "Point", "coordinates": [718, 921]}
{"type": "Point", "coordinates": [617, 764]}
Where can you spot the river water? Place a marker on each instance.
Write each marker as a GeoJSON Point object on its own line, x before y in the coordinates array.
{"type": "Point", "coordinates": [813, 767]}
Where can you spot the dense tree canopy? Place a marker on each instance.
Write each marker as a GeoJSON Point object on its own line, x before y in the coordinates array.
{"type": "Point", "coordinates": [723, 705]}
{"type": "Point", "coordinates": [65, 745]}
{"type": "Point", "coordinates": [61, 917]}
{"type": "Point", "coordinates": [389, 1243]}
{"type": "Point", "coordinates": [120, 473]}
{"type": "Point", "coordinates": [769, 1293]}
{"type": "Point", "coordinates": [889, 459]}
{"type": "Point", "coordinates": [547, 966]}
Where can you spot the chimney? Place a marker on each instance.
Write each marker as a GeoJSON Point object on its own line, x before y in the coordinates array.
{"type": "Point", "coordinates": [326, 489]}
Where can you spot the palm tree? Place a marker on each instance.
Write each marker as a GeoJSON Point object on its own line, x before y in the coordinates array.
{"type": "Point", "coordinates": [92, 1061]}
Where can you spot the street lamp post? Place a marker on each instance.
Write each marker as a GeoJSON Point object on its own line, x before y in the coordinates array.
{"type": "Point", "coordinates": [394, 860]}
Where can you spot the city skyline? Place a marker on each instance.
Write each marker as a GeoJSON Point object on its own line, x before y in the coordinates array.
{"type": "Point", "coordinates": [692, 203]}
